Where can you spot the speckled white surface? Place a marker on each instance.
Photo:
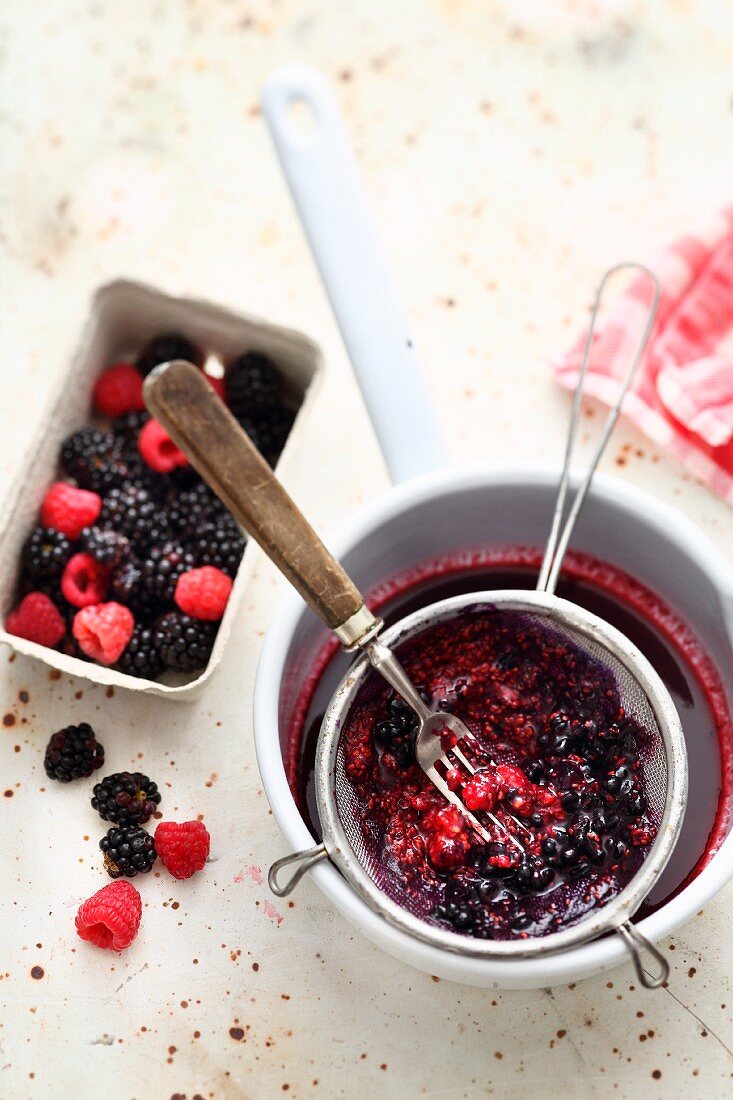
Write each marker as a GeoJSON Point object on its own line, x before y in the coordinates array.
{"type": "Point", "coordinates": [512, 150]}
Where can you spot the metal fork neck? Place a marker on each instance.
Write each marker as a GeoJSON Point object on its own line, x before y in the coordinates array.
{"type": "Point", "coordinates": [384, 661]}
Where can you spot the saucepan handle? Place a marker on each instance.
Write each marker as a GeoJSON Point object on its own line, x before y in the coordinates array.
{"type": "Point", "coordinates": [324, 180]}
{"type": "Point", "coordinates": [179, 396]}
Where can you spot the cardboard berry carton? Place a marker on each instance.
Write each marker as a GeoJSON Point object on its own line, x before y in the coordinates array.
{"type": "Point", "coordinates": [124, 316]}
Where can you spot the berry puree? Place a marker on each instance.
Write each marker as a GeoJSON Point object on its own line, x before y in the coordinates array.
{"type": "Point", "coordinates": [560, 765]}
{"type": "Point", "coordinates": [559, 786]}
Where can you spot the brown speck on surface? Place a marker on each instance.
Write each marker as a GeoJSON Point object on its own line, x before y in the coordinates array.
{"type": "Point", "coordinates": [656, 1074]}
{"type": "Point", "coordinates": [237, 1033]}
{"type": "Point", "coordinates": [8, 719]}
{"type": "Point", "coordinates": [54, 674]}
{"type": "Point", "coordinates": [110, 692]}
{"type": "Point", "coordinates": [692, 972]}
{"type": "Point", "coordinates": [8, 794]}
{"type": "Point", "coordinates": [346, 75]}
{"type": "Point", "coordinates": [620, 460]}
{"type": "Point", "coordinates": [561, 1033]}
{"type": "Point", "coordinates": [17, 748]}
{"type": "Point", "coordinates": [383, 1065]}
{"type": "Point", "coordinates": [37, 972]}
{"type": "Point", "coordinates": [434, 978]}
{"type": "Point", "coordinates": [175, 905]}
{"type": "Point", "coordinates": [255, 967]}
{"type": "Point", "coordinates": [78, 694]}
{"type": "Point", "coordinates": [23, 696]}
{"type": "Point", "coordinates": [498, 1054]}
{"type": "Point", "coordinates": [197, 1034]}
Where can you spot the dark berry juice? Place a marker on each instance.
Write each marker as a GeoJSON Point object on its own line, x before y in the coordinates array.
{"type": "Point", "coordinates": [677, 655]}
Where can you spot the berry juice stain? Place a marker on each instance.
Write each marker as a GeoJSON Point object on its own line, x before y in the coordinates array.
{"type": "Point", "coordinates": [675, 653]}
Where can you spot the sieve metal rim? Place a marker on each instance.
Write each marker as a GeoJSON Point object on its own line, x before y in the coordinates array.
{"type": "Point", "coordinates": [611, 916]}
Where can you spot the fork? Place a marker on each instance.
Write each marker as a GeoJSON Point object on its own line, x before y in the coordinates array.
{"type": "Point", "coordinates": [429, 749]}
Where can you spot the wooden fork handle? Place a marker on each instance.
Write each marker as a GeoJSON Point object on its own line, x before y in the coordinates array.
{"type": "Point", "coordinates": [199, 423]}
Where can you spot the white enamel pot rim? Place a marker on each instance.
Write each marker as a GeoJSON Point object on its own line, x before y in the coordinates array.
{"type": "Point", "coordinates": [553, 969]}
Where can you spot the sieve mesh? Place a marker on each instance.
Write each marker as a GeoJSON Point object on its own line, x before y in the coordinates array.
{"type": "Point", "coordinates": [419, 897]}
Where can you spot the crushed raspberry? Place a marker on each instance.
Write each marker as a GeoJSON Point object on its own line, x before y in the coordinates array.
{"type": "Point", "coordinates": [483, 790]}
{"type": "Point", "coordinates": [37, 619]}
{"type": "Point", "coordinates": [84, 581]}
{"type": "Point", "coordinates": [111, 917]}
{"type": "Point", "coordinates": [158, 449]}
{"type": "Point", "coordinates": [119, 390]}
{"type": "Point", "coordinates": [182, 847]}
{"type": "Point", "coordinates": [68, 509]}
{"type": "Point", "coordinates": [203, 593]}
{"type": "Point", "coordinates": [103, 631]}
{"type": "Point", "coordinates": [558, 787]}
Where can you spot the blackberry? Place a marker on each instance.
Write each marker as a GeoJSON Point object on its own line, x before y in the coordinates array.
{"type": "Point", "coordinates": [251, 384]}
{"type": "Point", "coordinates": [128, 851]}
{"type": "Point", "coordinates": [96, 461]}
{"type": "Point", "coordinates": [219, 543]}
{"type": "Point", "coordinates": [192, 507]}
{"type": "Point", "coordinates": [184, 643]}
{"type": "Point", "coordinates": [268, 430]}
{"type": "Point", "coordinates": [162, 568]}
{"type": "Point", "coordinates": [106, 546]}
{"type": "Point", "coordinates": [73, 753]}
{"type": "Point", "coordinates": [167, 346]}
{"type": "Point", "coordinates": [133, 511]}
{"type": "Point", "coordinates": [396, 734]}
{"type": "Point", "coordinates": [127, 587]}
{"type": "Point", "coordinates": [140, 657]}
{"type": "Point", "coordinates": [127, 798]}
{"type": "Point", "coordinates": [273, 431]}
{"type": "Point", "coordinates": [46, 552]}
{"type": "Point", "coordinates": [127, 427]}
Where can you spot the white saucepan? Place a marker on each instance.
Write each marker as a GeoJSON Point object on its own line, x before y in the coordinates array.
{"type": "Point", "coordinates": [435, 512]}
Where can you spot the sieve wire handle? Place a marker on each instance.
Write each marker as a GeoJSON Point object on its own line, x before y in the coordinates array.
{"type": "Point", "coordinates": [304, 860]}
{"type": "Point", "coordinates": [639, 945]}
{"type": "Point", "coordinates": [198, 421]}
{"type": "Point", "coordinates": [557, 543]}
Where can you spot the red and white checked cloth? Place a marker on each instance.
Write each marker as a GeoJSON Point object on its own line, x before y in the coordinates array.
{"type": "Point", "coordinates": [682, 396]}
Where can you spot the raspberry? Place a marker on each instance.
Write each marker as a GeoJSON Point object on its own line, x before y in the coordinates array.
{"type": "Point", "coordinates": [185, 644]}
{"type": "Point", "coordinates": [158, 449]}
{"type": "Point", "coordinates": [183, 848]}
{"type": "Point", "coordinates": [128, 851]}
{"type": "Point", "coordinates": [84, 581]}
{"type": "Point", "coordinates": [126, 798]}
{"type": "Point", "coordinates": [68, 509]}
{"type": "Point", "coordinates": [103, 630]}
{"type": "Point", "coordinates": [203, 593]}
{"type": "Point", "coordinates": [46, 552]}
{"type": "Point", "coordinates": [164, 348]}
{"type": "Point", "coordinates": [217, 384]}
{"type": "Point", "coordinates": [37, 619]}
{"type": "Point", "coordinates": [111, 917]}
{"type": "Point", "coordinates": [119, 390]}
{"type": "Point", "coordinates": [73, 753]}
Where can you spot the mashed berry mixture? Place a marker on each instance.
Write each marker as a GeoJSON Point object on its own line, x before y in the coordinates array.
{"type": "Point", "coordinates": [560, 767]}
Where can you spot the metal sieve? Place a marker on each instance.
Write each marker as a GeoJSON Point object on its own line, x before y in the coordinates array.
{"type": "Point", "coordinates": [203, 428]}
